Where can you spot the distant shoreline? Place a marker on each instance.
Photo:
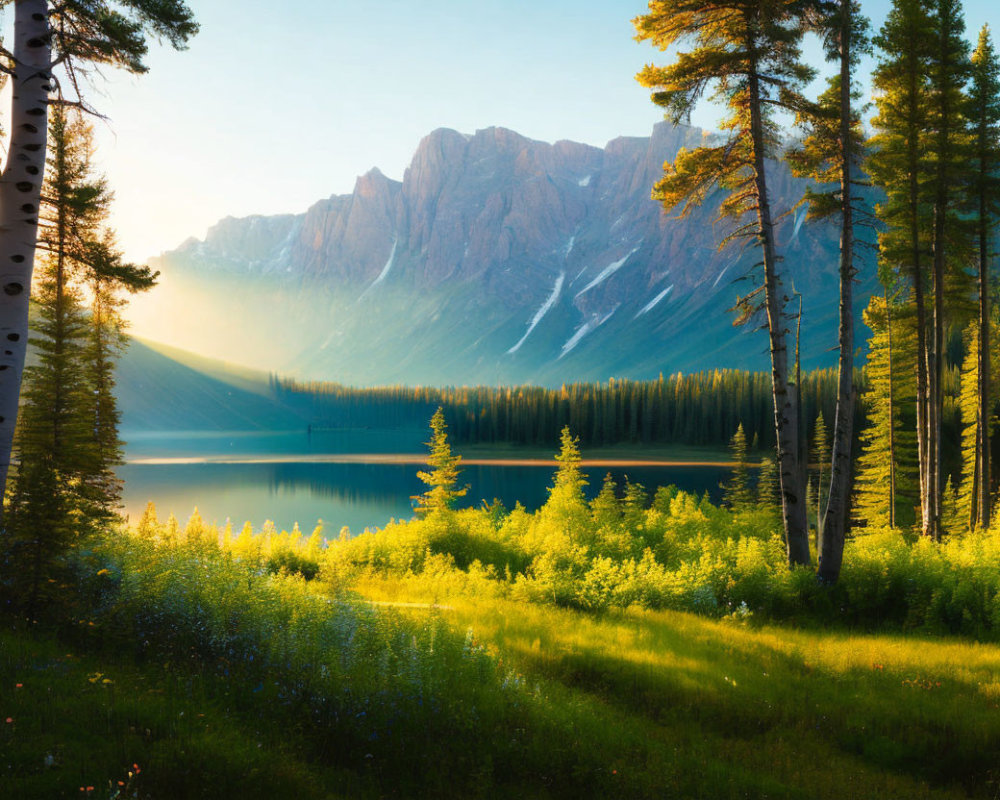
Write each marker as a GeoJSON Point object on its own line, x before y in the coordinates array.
{"type": "Point", "coordinates": [419, 459]}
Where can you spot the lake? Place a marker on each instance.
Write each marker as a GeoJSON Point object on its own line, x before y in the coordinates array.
{"type": "Point", "coordinates": [284, 477]}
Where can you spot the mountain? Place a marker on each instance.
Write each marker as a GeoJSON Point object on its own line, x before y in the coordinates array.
{"type": "Point", "coordinates": [161, 388]}
{"type": "Point", "coordinates": [496, 259]}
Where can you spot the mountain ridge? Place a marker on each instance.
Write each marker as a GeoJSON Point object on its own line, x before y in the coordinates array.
{"type": "Point", "coordinates": [500, 258]}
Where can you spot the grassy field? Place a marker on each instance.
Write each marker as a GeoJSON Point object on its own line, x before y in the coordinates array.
{"type": "Point", "coordinates": [762, 711]}
{"type": "Point", "coordinates": [641, 647]}
{"type": "Point", "coordinates": [628, 704]}
{"type": "Point", "coordinates": [98, 725]}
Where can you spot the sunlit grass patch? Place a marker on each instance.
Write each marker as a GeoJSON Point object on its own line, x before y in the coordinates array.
{"type": "Point", "coordinates": [447, 642]}
{"type": "Point", "coordinates": [893, 716]}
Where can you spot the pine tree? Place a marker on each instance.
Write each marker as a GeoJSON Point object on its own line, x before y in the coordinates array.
{"type": "Point", "coordinates": [53, 446]}
{"type": "Point", "coordinates": [887, 485]}
{"type": "Point", "coordinates": [566, 509]}
{"type": "Point", "coordinates": [569, 479]}
{"type": "Point", "coordinates": [107, 275]}
{"type": "Point", "coordinates": [67, 438]}
{"type": "Point", "coordinates": [950, 70]}
{"type": "Point", "coordinates": [984, 115]}
{"type": "Point", "coordinates": [605, 509]}
{"type": "Point", "coordinates": [634, 505]}
{"type": "Point", "coordinates": [149, 525]}
{"type": "Point", "coordinates": [443, 478]}
{"type": "Point", "coordinates": [736, 492]}
{"type": "Point", "coordinates": [967, 496]}
{"type": "Point", "coordinates": [768, 484]}
{"type": "Point", "coordinates": [831, 154]}
{"type": "Point", "coordinates": [897, 166]}
{"type": "Point", "coordinates": [750, 52]}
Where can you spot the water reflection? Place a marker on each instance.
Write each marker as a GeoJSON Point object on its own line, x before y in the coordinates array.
{"type": "Point", "coordinates": [356, 495]}
{"type": "Point", "coordinates": [205, 444]}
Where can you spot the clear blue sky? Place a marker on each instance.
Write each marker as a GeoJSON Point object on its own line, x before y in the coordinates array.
{"type": "Point", "coordinates": [275, 106]}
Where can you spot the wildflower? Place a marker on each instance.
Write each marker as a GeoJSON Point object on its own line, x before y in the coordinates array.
{"type": "Point", "coordinates": [18, 685]}
{"type": "Point", "coordinates": [9, 720]}
{"type": "Point", "coordinates": [103, 572]}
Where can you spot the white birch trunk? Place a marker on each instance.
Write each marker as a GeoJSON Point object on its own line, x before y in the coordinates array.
{"type": "Point", "coordinates": [20, 197]}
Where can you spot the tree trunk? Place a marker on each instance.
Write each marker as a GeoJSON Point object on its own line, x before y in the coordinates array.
{"type": "Point", "coordinates": [20, 197]}
{"type": "Point", "coordinates": [934, 368]}
{"type": "Point", "coordinates": [983, 432]}
{"type": "Point", "coordinates": [793, 505]}
{"type": "Point", "coordinates": [892, 420]}
{"type": "Point", "coordinates": [923, 453]}
{"type": "Point", "coordinates": [833, 531]}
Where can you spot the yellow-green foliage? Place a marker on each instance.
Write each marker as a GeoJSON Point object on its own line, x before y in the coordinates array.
{"type": "Point", "coordinates": [267, 550]}
{"type": "Point", "coordinates": [680, 553]}
{"type": "Point", "coordinates": [496, 692]}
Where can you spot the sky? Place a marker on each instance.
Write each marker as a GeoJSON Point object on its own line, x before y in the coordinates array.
{"type": "Point", "coordinates": [276, 106]}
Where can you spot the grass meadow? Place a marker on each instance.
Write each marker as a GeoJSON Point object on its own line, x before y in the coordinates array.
{"type": "Point", "coordinates": [629, 647]}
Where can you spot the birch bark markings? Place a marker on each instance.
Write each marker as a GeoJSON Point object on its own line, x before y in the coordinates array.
{"type": "Point", "coordinates": [20, 197]}
{"type": "Point", "coordinates": [76, 36]}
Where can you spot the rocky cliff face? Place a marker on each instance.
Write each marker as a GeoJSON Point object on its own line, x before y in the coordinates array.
{"type": "Point", "coordinates": [503, 258]}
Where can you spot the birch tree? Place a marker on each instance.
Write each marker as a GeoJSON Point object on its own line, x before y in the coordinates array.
{"type": "Point", "coordinates": [55, 47]}
{"type": "Point", "coordinates": [64, 484]}
{"type": "Point", "coordinates": [749, 53]}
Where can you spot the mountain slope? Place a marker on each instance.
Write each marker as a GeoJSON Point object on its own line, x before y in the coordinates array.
{"type": "Point", "coordinates": [497, 258]}
{"type": "Point", "coordinates": [157, 392]}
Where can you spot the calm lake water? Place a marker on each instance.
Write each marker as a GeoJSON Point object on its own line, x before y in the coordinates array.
{"type": "Point", "coordinates": [357, 495]}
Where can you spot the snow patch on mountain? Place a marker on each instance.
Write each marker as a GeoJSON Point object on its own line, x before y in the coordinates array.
{"type": "Point", "coordinates": [385, 270]}
{"type": "Point", "coordinates": [800, 217]}
{"type": "Point", "coordinates": [725, 269]}
{"type": "Point", "coordinates": [585, 181]}
{"type": "Point", "coordinates": [607, 272]}
{"type": "Point", "coordinates": [541, 312]}
{"type": "Point", "coordinates": [587, 327]}
{"type": "Point", "coordinates": [654, 302]}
